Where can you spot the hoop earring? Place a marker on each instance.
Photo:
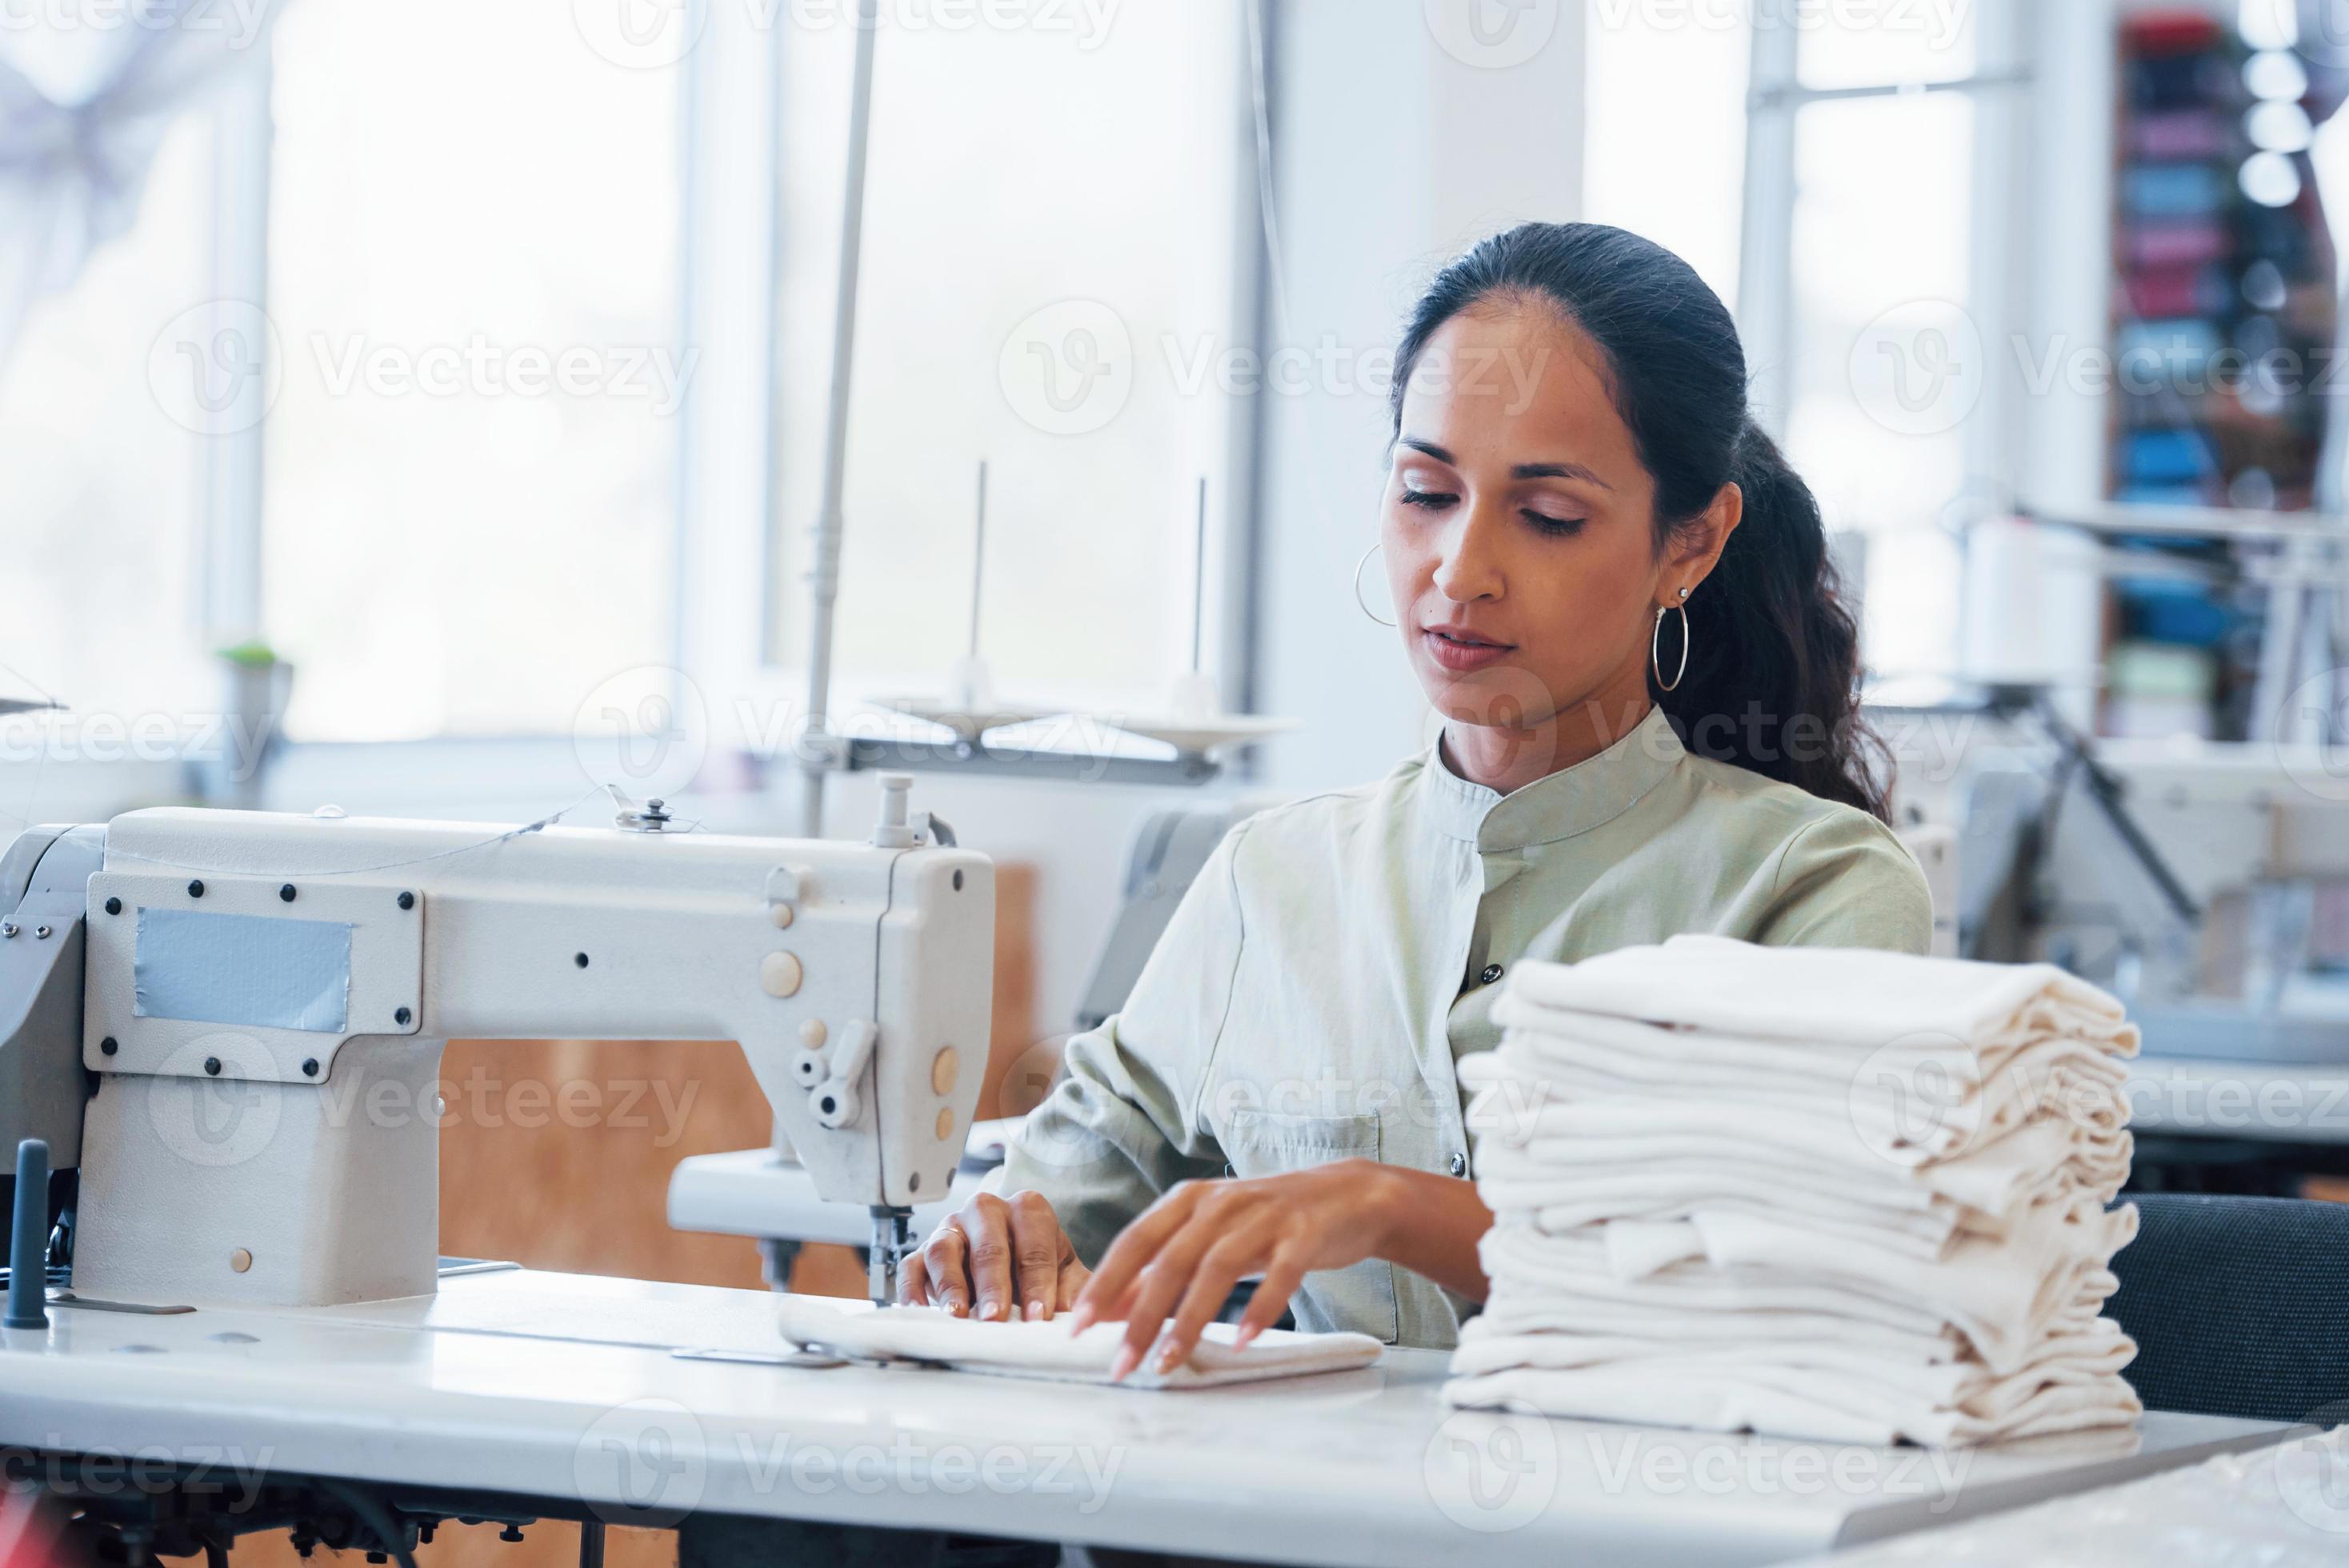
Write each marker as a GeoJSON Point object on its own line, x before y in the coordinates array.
{"type": "Point", "coordinates": [1656, 645]}
{"type": "Point", "coordinates": [1359, 603]}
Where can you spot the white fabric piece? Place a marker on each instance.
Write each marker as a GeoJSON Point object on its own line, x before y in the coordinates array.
{"type": "Point", "coordinates": [1828, 994]}
{"type": "Point", "coordinates": [1932, 1091]}
{"type": "Point", "coordinates": [1048, 1350]}
{"type": "Point", "coordinates": [1840, 1195]}
{"type": "Point", "coordinates": [1800, 1407]}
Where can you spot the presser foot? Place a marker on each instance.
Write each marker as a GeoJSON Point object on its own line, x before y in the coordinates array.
{"type": "Point", "coordinates": [892, 1238]}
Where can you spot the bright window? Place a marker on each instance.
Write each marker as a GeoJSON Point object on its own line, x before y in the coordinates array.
{"type": "Point", "coordinates": [1664, 131]}
{"type": "Point", "coordinates": [469, 495]}
{"type": "Point", "coordinates": [1050, 255]}
{"type": "Point", "coordinates": [1877, 355]}
{"type": "Point", "coordinates": [100, 485]}
{"type": "Point", "coordinates": [1882, 234]}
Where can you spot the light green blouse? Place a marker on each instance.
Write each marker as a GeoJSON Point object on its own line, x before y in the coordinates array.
{"type": "Point", "coordinates": [1337, 954]}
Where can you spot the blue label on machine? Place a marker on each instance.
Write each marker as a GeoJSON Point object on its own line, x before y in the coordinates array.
{"type": "Point", "coordinates": [260, 971]}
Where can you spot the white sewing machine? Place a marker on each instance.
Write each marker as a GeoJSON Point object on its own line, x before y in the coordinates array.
{"type": "Point", "coordinates": [262, 999]}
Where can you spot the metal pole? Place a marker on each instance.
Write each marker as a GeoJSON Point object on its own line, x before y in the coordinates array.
{"type": "Point", "coordinates": [1199, 577]}
{"type": "Point", "coordinates": [823, 573]}
{"type": "Point", "coordinates": [978, 557]}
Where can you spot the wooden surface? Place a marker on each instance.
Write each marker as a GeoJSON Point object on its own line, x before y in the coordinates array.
{"type": "Point", "coordinates": [556, 1154]}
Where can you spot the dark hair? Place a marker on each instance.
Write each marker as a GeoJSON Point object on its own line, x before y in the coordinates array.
{"type": "Point", "coordinates": [1773, 677]}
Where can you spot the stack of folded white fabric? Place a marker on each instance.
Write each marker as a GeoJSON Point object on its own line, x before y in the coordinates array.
{"type": "Point", "coordinates": [1827, 1193]}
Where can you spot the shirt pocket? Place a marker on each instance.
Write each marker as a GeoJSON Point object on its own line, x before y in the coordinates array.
{"type": "Point", "coordinates": [1359, 1299]}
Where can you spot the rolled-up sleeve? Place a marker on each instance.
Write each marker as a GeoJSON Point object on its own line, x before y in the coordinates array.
{"type": "Point", "coordinates": [1122, 1125]}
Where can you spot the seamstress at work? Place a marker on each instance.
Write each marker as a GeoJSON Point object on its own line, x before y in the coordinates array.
{"type": "Point", "coordinates": [1617, 595]}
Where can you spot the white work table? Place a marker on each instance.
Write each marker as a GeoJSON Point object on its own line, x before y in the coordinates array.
{"type": "Point", "coordinates": [558, 1386]}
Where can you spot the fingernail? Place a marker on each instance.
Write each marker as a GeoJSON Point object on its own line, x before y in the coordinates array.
{"type": "Point", "coordinates": [1037, 1309]}
{"type": "Point", "coordinates": [989, 1311]}
{"type": "Point", "coordinates": [1170, 1357]}
{"type": "Point", "coordinates": [1128, 1358]}
{"type": "Point", "coordinates": [1081, 1317]}
{"type": "Point", "coordinates": [1246, 1333]}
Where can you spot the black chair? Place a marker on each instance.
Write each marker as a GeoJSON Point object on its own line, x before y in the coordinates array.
{"type": "Point", "coordinates": [2240, 1307]}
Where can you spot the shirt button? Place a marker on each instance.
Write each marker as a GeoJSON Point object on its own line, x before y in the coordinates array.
{"type": "Point", "coordinates": [1459, 1164]}
{"type": "Point", "coordinates": [1492, 972]}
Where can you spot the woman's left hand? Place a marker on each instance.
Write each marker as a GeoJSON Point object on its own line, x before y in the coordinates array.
{"type": "Point", "coordinates": [1184, 1254]}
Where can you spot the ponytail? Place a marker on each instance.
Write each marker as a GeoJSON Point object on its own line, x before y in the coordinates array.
{"type": "Point", "coordinates": [1773, 676]}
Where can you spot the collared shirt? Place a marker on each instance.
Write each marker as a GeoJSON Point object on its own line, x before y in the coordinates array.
{"type": "Point", "coordinates": [1336, 955]}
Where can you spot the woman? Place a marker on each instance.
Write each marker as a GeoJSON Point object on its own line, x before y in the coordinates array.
{"type": "Point", "coordinates": [1617, 596]}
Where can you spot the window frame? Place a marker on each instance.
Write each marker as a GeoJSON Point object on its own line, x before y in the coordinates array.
{"type": "Point", "coordinates": [2002, 85]}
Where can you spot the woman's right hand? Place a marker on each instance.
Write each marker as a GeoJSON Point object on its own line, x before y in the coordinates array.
{"type": "Point", "coordinates": [996, 1258]}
